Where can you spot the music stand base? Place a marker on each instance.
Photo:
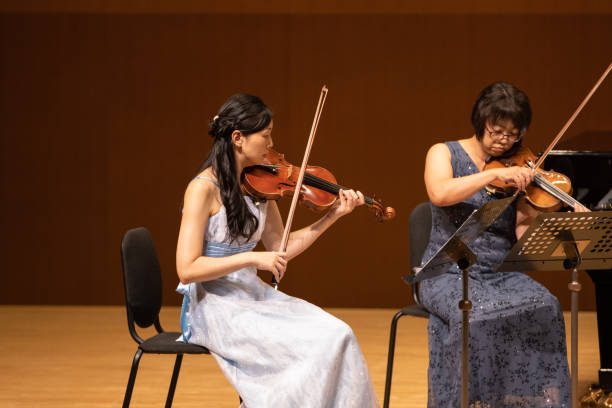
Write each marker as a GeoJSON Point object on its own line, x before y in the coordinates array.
{"type": "Point", "coordinates": [574, 286]}
{"type": "Point", "coordinates": [465, 306]}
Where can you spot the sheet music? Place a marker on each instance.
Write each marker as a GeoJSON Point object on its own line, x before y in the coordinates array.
{"type": "Point", "coordinates": [456, 246]}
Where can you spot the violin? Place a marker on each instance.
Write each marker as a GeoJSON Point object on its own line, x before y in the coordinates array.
{"type": "Point", "coordinates": [319, 191]}
{"type": "Point", "coordinates": [548, 191]}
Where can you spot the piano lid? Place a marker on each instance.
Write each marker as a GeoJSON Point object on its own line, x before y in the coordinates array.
{"type": "Point", "coordinates": [586, 159]}
{"type": "Point", "coordinates": [590, 141]}
{"type": "Point", "coordinates": [581, 153]}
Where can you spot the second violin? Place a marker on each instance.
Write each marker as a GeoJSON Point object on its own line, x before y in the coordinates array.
{"type": "Point", "coordinates": [319, 190]}
{"type": "Point", "coordinates": [549, 189]}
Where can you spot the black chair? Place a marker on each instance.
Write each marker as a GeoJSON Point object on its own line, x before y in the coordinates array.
{"type": "Point", "coordinates": [419, 230]}
{"type": "Point", "coordinates": [143, 298]}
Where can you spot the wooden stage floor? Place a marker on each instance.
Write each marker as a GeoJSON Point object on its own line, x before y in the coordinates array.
{"type": "Point", "coordinates": [56, 356]}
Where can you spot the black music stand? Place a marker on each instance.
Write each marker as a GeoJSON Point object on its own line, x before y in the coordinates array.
{"type": "Point", "coordinates": [557, 241]}
{"type": "Point", "coordinates": [455, 250]}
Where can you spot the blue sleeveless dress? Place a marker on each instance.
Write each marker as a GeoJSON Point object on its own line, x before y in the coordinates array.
{"type": "Point", "coordinates": [276, 350]}
{"type": "Point", "coordinates": [517, 354]}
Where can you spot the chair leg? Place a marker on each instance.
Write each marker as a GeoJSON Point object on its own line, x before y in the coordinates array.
{"type": "Point", "coordinates": [390, 358]}
{"type": "Point", "coordinates": [175, 373]}
{"type": "Point", "coordinates": [132, 379]}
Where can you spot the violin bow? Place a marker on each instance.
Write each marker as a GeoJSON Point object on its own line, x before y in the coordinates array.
{"type": "Point", "coordinates": [298, 186]}
{"type": "Point", "coordinates": [571, 119]}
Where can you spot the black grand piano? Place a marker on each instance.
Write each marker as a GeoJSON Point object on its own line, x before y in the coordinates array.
{"type": "Point", "coordinates": [591, 176]}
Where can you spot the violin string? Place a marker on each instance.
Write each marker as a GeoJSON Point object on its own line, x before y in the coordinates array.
{"type": "Point", "coordinates": [313, 180]}
{"type": "Point", "coordinates": [561, 194]}
{"type": "Point", "coordinates": [554, 190]}
{"type": "Point", "coordinates": [318, 182]}
{"type": "Point", "coordinates": [322, 184]}
{"type": "Point", "coordinates": [328, 186]}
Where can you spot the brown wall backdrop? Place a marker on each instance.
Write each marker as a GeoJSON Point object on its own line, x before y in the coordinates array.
{"type": "Point", "coordinates": [103, 118]}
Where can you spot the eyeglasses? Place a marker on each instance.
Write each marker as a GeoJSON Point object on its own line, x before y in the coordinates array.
{"type": "Point", "coordinates": [498, 135]}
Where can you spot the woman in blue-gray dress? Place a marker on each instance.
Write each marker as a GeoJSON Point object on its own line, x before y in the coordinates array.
{"type": "Point", "coordinates": [517, 354]}
{"type": "Point", "coordinates": [276, 350]}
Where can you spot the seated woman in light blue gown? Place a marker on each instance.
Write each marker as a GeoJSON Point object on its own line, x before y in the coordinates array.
{"type": "Point", "coordinates": [517, 352]}
{"type": "Point", "coordinates": [276, 350]}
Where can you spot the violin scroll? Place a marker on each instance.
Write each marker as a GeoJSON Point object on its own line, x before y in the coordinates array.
{"type": "Point", "coordinates": [382, 213]}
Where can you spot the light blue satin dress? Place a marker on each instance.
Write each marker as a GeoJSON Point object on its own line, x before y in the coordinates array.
{"type": "Point", "coordinates": [276, 350]}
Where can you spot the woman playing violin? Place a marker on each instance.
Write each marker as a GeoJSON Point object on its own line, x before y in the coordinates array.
{"type": "Point", "coordinates": [517, 334]}
{"type": "Point", "coordinates": [276, 350]}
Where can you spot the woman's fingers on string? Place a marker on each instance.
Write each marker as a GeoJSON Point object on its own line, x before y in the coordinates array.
{"type": "Point", "coordinates": [348, 200]}
{"type": "Point", "coordinates": [339, 206]}
{"type": "Point", "coordinates": [353, 197]}
{"type": "Point", "coordinates": [360, 198]}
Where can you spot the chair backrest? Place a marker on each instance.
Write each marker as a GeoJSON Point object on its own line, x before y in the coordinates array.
{"type": "Point", "coordinates": [419, 229]}
{"type": "Point", "coordinates": [141, 278]}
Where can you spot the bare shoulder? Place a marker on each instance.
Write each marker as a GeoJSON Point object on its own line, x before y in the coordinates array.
{"type": "Point", "coordinates": [437, 167]}
{"type": "Point", "coordinates": [438, 150]}
{"type": "Point", "coordinates": [201, 195]}
{"type": "Point", "coordinates": [438, 156]}
{"type": "Point", "coordinates": [199, 186]}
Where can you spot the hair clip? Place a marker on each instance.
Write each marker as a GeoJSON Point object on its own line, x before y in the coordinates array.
{"type": "Point", "coordinates": [215, 118]}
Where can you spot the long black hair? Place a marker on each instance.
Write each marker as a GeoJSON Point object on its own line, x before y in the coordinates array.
{"type": "Point", "coordinates": [248, 114]}
{"type": "Point", "coordinates": [502, 101]}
